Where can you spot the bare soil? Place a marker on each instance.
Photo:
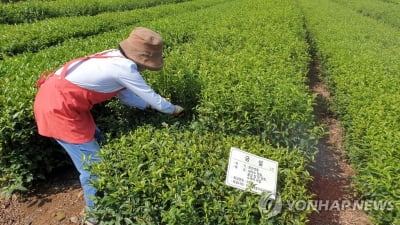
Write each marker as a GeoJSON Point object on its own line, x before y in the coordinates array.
{"type": "Point", "coordinates": [331, 171]}
{"type": "Point", "coordinates": [59, 201]}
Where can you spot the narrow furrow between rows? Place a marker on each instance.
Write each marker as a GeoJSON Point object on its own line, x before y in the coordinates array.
{"type": "Point", "coordinates": [334, 198]}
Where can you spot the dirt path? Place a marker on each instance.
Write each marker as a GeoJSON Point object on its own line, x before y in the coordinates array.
{"type": "Point", "coordinates": [59, 201]}
{"type": "Point", "coordinates": [331, 171]}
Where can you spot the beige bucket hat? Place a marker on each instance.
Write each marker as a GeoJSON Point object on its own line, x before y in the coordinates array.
{"type": "Point", "coordinates": [145, 47]}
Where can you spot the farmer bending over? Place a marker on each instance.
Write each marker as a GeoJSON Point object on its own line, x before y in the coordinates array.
{"type": "Point", "coordinates": [64, 100]}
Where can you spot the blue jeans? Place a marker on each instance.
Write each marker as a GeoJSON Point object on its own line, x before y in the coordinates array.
{"type": "Point", "coordinates": [83, 155]}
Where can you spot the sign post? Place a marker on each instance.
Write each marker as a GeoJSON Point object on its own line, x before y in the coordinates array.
{"type": "Point", "coordinates": [245, 169]}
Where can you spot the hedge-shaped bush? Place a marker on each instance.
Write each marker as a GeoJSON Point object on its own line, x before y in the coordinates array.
{"type": "Point", "coordinates": [33, 37]}
{"type": "Point", "coordinates": [34, 10]}
{"type": "Point", "coordinates": [176, 176]}
{"type": "Point", "coordinates": [249, 91]}
{"type": "Point", "coordinates": [385, 12]}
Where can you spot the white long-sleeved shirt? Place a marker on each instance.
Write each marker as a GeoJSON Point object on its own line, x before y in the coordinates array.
{"type": "Point", "coordinates": [107, 75]}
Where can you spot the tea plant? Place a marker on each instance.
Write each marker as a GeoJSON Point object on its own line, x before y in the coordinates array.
{"type": "Point", "coordinates": [159, 175]}
{"type": "Point", "coordinates": [31, 11]}
{"type": "Point", "coordinates": [176, 176]}
{"type": "Point", "coordinates": [42, 34]}
{"type": "Point", "coordinates": [391, 1]}
{"type": "Point", "coordinates": [388, 13]}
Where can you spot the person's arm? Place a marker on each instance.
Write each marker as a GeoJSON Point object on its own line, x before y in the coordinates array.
{"type": "Point", "coordinates": [127, 97]}
{"type": "Point", "coordinates": [135, 83]}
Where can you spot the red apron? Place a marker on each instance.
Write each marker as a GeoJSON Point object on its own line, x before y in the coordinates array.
{"type": "Point", "coordinates": [62, 109]}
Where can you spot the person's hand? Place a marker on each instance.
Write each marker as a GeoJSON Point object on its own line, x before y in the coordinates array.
{"type": "Point", "coordinates": [178, 110]}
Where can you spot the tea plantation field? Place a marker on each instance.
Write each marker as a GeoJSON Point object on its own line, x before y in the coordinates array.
{"type": "Point", "coordinates": [239, 67]}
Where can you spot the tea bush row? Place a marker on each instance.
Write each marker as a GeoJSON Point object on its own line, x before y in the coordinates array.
{"type": "Point", "coordinates": [33, 37]}
{"type": "Point", "coordinates": [241, 75]}
{"type": "Point", "coordinates": [31, 11]}
{"type": "Point", "coordinates": [361, 62]}
{"type": "Point", "coordinates": [391, 1]}
{"type": "Point", "coordinates": [176, 176]}
{"type": "Point", "coordinates": [386, 12]}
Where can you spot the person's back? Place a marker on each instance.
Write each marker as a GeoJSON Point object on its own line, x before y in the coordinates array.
{"type": "Point", "coordinates": [64, 100]}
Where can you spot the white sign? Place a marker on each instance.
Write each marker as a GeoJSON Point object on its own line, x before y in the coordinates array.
{"type": "Point", "coordinates": [245, 169]}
